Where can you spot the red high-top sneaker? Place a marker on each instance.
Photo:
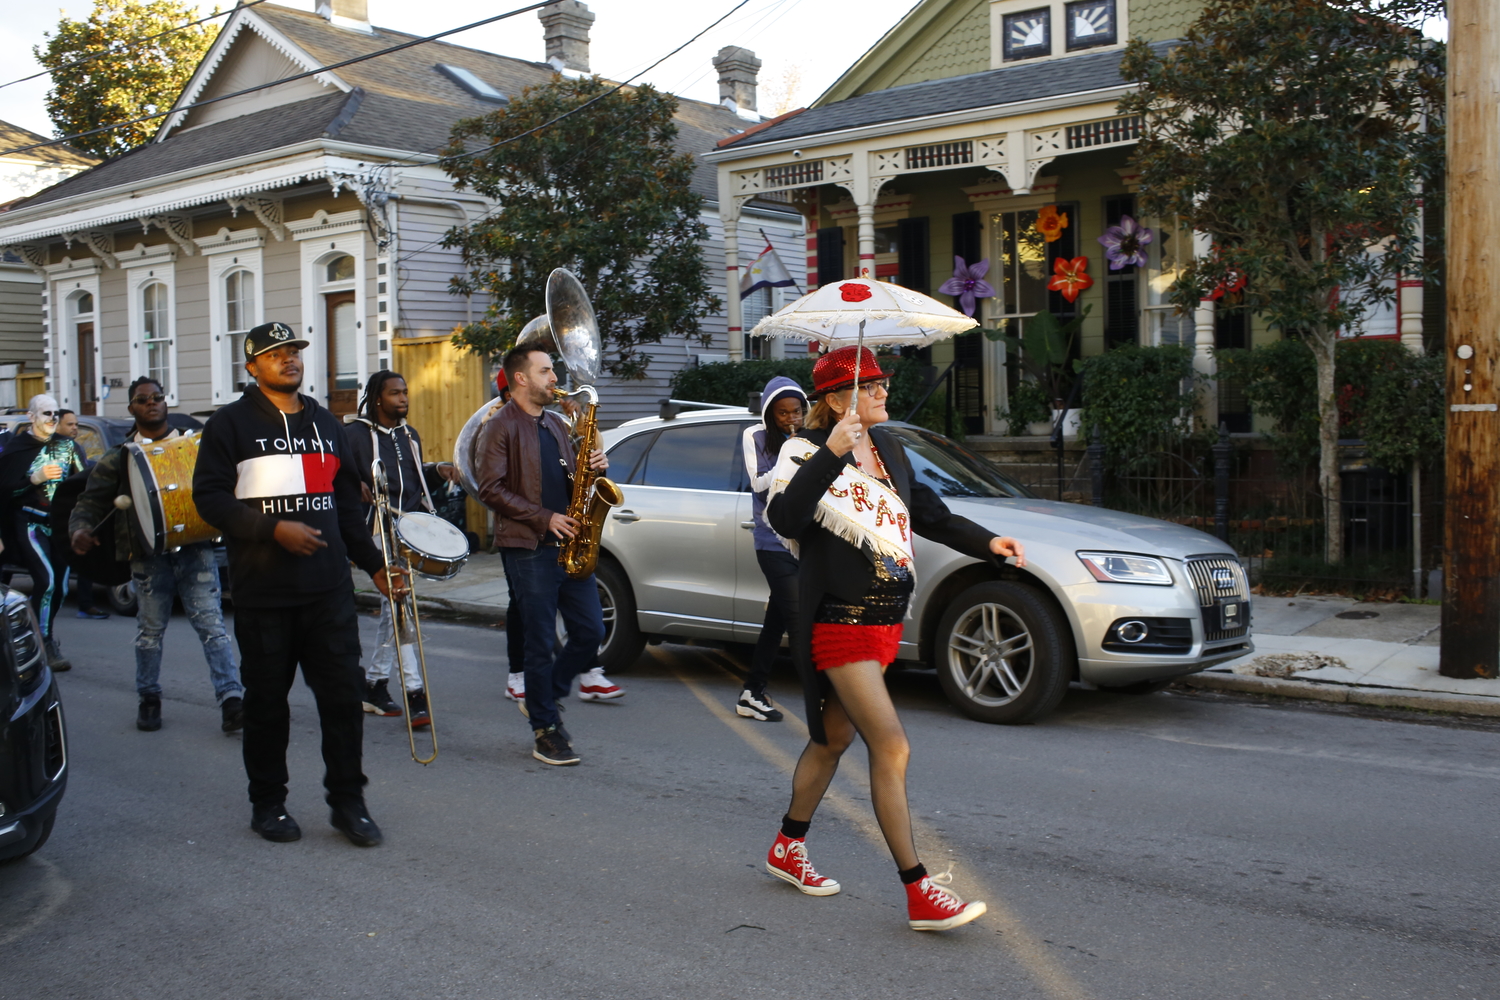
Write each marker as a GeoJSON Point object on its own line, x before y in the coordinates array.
{"type": "Point", "coordinates": [930, 907]}
{"type": "Point", "coordinates": [787, 860]}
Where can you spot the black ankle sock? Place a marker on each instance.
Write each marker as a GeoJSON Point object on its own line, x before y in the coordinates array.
{"type": "Point", "coordinates": [911, 876]}
{"type": "Point", "coordinates": [796, 829]}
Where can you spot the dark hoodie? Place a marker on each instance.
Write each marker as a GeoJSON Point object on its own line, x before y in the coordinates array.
{"type": "Point", "coordinates": [761, 444]}
{"type": "Point", "coordinates": [256, 466]}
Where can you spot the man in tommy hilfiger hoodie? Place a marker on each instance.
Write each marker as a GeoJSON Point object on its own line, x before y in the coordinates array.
{"type": "Point", "coordinates": [274, 475]}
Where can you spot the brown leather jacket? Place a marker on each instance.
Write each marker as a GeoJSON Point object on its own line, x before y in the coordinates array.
{"type": "Point", "coordinates": [508, 465]}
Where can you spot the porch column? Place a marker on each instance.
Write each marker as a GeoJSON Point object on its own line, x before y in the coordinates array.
{"type": "Point", "coordinates": [732, 287]}
{"type": "Point", "coordinates": [866, 267]}
{"type": "Point", "coordinates": [1409, 297]}
{"type": "Point", "coordinates": [1203, 346]}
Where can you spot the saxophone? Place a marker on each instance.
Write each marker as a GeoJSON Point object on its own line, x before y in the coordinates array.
{"type": "Point", "coordinates": [593, 495]}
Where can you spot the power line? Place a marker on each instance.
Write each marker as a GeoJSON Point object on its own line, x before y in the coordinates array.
{"type": "Point", "coordinates": [285, 79]}
{"type": "Point", "coordinates": [132, 41]}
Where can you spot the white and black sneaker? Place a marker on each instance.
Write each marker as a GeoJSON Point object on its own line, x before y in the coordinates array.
{"type": "Point", "coordinates": [757, 705]}
{"type": "Point", "coordinates": [551, 748]}
{"type": "Point", "coordinates": [378, 701]}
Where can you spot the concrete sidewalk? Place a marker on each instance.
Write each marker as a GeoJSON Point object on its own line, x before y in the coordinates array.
{"type": "Point", "coordinates": [1320, 648]}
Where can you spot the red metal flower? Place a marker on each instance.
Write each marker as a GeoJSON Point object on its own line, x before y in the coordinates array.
{"type": "Point", "coordinates": [1070, 277]}
{"type": "Point", "coordinates": [854, 293]}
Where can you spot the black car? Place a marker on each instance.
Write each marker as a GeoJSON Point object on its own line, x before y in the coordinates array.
{"type": "Point", "coordinates": [33, 739]}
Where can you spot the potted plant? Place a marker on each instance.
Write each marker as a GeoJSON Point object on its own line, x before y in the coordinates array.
{"type": "Point", "coordinates": [1044, 351]}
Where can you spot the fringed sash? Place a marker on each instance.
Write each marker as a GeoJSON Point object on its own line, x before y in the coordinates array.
{"type": "Point", "coordinates": [857, 507]}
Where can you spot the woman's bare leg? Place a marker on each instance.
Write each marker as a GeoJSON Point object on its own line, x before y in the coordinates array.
{"type": "Point", "coordinates": [865, 702]}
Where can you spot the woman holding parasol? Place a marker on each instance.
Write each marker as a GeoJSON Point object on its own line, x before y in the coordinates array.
{"type": "Point", "coordinates": [844, 494]}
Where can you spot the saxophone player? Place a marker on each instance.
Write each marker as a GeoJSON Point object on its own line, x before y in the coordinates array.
{"type": "Point", "coordinates": [524, 464]}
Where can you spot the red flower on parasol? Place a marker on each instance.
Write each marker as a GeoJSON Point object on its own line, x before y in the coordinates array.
{"type": "Point", "coordinates": [854, 293]}
{"type": "Point", "coordinates": [1070, 277]}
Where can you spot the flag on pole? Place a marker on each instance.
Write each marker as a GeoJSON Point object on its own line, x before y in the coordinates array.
{"type": "Point", "coordinates": [767, 271]}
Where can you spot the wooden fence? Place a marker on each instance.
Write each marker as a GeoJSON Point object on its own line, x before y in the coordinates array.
{"type": "Point", "coordinates": [446, 385]}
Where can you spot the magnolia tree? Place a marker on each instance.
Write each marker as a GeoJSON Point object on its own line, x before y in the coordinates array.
{"type": "Point", "coordinates": [127, 59]}
{"type": "Point", "coordinates": [1298, 135]}
{"type": "Point", "coordinates": [587, 180]}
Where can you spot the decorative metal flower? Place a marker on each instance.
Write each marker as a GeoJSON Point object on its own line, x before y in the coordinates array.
{"type": "Point", "coordinates": [1070, 277]}
{"type": "Point", "coordinates": [968, 284]}
{"type": "Point", "coordinates": [1050, 222]}
{"type": "Point", "coordinates": [1126, 243]}
{"type": "Point", "coordinates": [854, 293]}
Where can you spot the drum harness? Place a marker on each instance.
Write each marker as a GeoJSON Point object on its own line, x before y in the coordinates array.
{"type": "Point", "coordinates": [400, 470]}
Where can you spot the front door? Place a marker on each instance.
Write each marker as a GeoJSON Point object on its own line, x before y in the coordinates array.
{"type": "Point", "coordinates": [343, 354]}
{"type": "Point", "coordinates": [88, 378]}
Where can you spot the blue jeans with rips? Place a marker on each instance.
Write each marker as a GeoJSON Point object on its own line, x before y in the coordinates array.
{"type": "Point", "coordinates": [545, 591]}
{"type": "Point", "coordinates": [192, 574]}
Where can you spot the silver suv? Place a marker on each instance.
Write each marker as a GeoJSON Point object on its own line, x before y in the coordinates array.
{"type": "Point", "coordinates": [1108, 599]}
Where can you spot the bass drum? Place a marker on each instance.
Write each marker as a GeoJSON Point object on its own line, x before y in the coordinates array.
{"type": "Point", "coordinates": [161, 488]}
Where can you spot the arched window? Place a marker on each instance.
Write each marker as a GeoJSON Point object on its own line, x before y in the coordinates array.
{"type": "Point", "coordinates": [156, 332]}
{"type": "Point", "coordinates": [239, 318]}
{"type": "Point", "coordinates": [84, 304]}
{"type": "Point", "coordinates": [341, 268]}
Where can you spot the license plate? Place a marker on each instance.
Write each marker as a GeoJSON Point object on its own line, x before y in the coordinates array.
{"type": "Point", "coordinates": [1231, 614]}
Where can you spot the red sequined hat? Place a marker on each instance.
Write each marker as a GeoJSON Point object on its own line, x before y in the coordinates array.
{"type": "Point", "coordinates": [835, 370]}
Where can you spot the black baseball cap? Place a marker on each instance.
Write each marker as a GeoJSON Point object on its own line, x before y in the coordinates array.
{"type": "Point", "coordinates": [268, 337]}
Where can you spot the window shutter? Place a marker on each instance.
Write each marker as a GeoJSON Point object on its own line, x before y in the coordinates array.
{"type": "Point", "coordinates": [914, 253]}
{"type": "Point", "coordinates": [967, 241]}
{"type": "Point", "coordinates": [830, 255]}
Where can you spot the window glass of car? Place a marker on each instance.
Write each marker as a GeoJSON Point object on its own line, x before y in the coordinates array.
{"type": "Point", "coordinates": [625, 457]}
{"type": "Point", "coordinates": [951, 470]}
{"type": "Point", "coordinates": [697, 456]}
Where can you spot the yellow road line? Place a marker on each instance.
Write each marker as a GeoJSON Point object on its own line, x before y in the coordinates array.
{"type": "Point", "coordinates": [1028, 949]}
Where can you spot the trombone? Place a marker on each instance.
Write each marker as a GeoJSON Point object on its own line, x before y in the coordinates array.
{"type": "Point", "coordinates": [406, 625]}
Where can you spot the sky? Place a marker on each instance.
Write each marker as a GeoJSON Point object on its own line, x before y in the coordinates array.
{"type": "Point", "coordinates": [817, 39]}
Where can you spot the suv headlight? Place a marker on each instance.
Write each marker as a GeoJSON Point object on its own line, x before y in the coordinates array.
{"type": "Point", "coordinates": [1119, 567]}
{"type": "Point", "coordinates": [23, 642]}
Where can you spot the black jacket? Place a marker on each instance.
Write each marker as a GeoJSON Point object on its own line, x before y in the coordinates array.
{"type": "Point", "coordinates": [827, 564]}
{"type": "Point", "coordinates": [257, 465]}
{"type": "Point", "coordinates": [405, 472]}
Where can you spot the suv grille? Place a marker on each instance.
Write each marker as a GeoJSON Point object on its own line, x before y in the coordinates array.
{"type": "Point", "coordinates": [1215, 577]}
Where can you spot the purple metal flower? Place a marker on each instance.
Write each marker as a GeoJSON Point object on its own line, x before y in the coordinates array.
{"type": "Point", "coordinates": [968, 284]}
{"type": "Point", "coordinates": [1126, 243]}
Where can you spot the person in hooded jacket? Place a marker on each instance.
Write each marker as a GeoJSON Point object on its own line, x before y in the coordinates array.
{"type": "Point", "coordinates": [409, 484]}
{"type": "Point", "coordinates": [782, 407]}
{"type": "Point", "coordinates": [851, 503]}
{"type": "Point", "coordinates": [274, 474]}
{"type": "Point", "coordinates": [32, 466]}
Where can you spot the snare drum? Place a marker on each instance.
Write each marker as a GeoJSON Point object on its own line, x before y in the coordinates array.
{"type": "Point", "coordinates": [161, 492]}
{"type": "Point", "coordinates": [433, 548]}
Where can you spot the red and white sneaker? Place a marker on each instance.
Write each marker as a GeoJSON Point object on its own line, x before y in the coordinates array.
{"type": "Point", "coordinates": [594, 686]}
{"type": "Point", "coordinates": [515, 686]}
{"type": "Point", "coordinates": [930, 907]}
{"type": "Point", "coordinates": [787, 860]}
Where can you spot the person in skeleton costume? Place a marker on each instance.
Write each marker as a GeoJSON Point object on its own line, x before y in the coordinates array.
{"type": "Point", "coordinates": [32, 465]}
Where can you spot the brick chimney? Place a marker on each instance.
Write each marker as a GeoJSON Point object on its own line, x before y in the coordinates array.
{"type": "Point", "coordinates": [345, 13]}
{"type": "Point", "coordinates": [565, 26]}
{"type": "Point", "coordinates": [738, 69]}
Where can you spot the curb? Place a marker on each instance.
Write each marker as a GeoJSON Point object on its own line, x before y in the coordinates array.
{"type": "Point", "coordinates": [437, 607]}
{"type": "Point", "coordinates": [1422, 701]}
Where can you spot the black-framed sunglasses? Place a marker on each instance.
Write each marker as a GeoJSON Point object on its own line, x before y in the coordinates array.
{"type": "Point", "coordinates": [155, 397]}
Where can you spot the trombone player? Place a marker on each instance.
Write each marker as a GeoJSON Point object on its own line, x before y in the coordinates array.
{"type": "Point", "coordinates": [524, 464]}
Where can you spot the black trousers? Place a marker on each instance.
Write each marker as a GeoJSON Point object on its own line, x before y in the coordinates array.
{"type": "Point", "coordinates": [780, 569]}
{"type": "Point", "coordinates": [321, 636]}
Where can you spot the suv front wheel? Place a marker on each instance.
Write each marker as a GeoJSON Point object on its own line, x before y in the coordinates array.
{"type": "Point", "coordinates": [623, 641]}
{"type": "Point", "coordinates": [1004, 653]}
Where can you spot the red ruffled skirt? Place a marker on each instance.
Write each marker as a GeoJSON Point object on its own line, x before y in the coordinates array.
{"type": "Point", "coordinates": [834, 645]}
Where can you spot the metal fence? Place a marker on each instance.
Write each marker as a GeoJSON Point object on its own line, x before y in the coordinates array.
{"type": "Point", "coordinates": [1275, 519]}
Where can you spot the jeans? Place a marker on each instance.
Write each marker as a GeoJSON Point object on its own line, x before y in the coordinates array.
{"type": "Point", "coordinates": [192, 574]}
{"type": "Point", "coordinates": [780, 569]}
{"type": "Point", "coordinates": [385, 648]}
{"type": "Point", "coordinates": [322, 636]}
{"type": "Point", "coordinates": [545, 591]}
{"type": "Point", "coordinates": [515, 631]}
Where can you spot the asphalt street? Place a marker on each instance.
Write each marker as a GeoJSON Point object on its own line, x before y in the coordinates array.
{"type": "Point", "coordinates": [1170, 846]}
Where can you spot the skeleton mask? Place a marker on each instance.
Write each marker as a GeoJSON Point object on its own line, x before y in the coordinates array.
{"type": "Point", "coordinates": [43, 414]}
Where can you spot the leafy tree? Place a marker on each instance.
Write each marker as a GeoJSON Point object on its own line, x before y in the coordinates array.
{"type": "Point", "coordinates": [1298, 134]}
{"type": "Point", "coordinates": [137, 77]}
{"type": "Point", "coordinates": [603, 193]}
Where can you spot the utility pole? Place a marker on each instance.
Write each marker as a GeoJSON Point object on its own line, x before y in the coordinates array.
{"type": "Point", "coordinates": [1471, 557]}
